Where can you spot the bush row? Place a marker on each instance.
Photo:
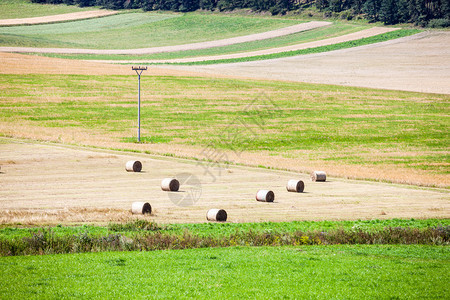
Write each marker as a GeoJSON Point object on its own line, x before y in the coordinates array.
{"type": "Point", "coordinates": [434, 13]}
{"type": "Point", "coordinates": [152, 237]}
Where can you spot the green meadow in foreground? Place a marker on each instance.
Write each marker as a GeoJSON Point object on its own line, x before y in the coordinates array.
{"type": "Point", "coordinates": [325, 272]}
{"type": "Point", "coordinates": [347, 125]}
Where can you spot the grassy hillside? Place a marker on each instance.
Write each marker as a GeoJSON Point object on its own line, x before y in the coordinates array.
{"type": "Point", "coordinates": [304, 122]}
{"type": "Point", "coordinates": [15, 9]}
{"type": "Point", "coordinates": [138, 30]}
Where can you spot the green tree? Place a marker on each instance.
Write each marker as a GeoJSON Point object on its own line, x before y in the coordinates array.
{"type": "Point", "coordinates": [322, 4]}
{"type": "Point", "coordinates": [372, 8]}
{"type": "Point", "coordinates": [403, 11]}
{"type": "Point", "coordinates": [389, 12]}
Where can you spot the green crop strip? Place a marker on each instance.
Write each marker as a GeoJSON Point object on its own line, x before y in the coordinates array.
{"type": "Point", "coordinates": [361, 42]}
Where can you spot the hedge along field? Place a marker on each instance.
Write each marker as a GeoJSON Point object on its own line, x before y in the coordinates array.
{"type": "Point", "coordinates": [343, 126]}
{"type": "Point", "coordinates": [225, 230]}
{"type": "Point", "coordinates": [138, 30]}
{"type": "Point", "coordinates": [142, 235]}
{"type": "Point", "coordinates": [14, 9]}
{"type": "Point", "coordinates": [355, 272]}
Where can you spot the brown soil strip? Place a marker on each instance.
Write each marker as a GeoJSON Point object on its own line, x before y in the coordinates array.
{"type": "Point", "coordinates": [48, 184]}
{"type": "Point", "coordinates": [194, 46]}
{"type": "Point", "coordinates": [12, 63]}
{"type": "Point", "coordinates": [58, 18]}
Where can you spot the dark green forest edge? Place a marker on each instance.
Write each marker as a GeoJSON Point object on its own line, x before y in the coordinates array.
{"type": "Point", "coordinates": [425, 13]}
{"type": "Point", "coordinates": [143, 235]}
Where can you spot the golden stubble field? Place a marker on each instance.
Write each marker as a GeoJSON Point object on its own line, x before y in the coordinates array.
{"type": "Point", "coordinates": [42, 183]}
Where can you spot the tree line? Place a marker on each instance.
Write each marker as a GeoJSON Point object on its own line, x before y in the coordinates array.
{"type": "Point", "coordinates": [433, 13]}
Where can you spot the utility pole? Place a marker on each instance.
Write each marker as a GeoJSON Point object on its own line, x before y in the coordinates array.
{"type": "Point", "coordinates": [139, 71]}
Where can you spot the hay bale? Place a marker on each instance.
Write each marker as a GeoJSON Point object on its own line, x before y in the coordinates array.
{"type": "Point", "coordinates": [170, 185]}
{"type": "Point", "coordinates": [133, 166]}
{"type": "Point", "coordinates": [318, 176]}
{"type": "Point", "coordinates": [295, 185]}
{"type": "Point", "coordinates": [215, 214]}
{"type": "Point", "coordinates": [265, 196]}
{"type": "Point", "coordinates": [141, 208]}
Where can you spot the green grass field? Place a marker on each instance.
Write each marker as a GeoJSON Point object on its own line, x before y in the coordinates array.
{"type": "Point", "coordinates": [324, 272]}
{"type": "Point", "coordinates": [13, 9]}
{"type": "Point", "coordinates": [138, 30]}
{"type": "Point", "coordinates": [346, 125]}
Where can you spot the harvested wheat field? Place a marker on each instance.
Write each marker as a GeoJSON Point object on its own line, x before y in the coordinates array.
{"type": "Point", "coordinates": [51, 184]}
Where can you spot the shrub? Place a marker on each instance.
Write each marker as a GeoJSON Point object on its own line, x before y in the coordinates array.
{"type": "Point", "coordinates": [148, 236]}
{"type": "Point", "coordinates": [439, 23]}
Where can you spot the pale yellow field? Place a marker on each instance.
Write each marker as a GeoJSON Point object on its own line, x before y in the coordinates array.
{"type": "Point", "coordinates": [51, 184]}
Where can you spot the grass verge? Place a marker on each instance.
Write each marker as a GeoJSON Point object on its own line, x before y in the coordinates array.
{"type": "Point", "coordinates": [355, 272]}
{"type": "Point", "coordinates": [144, 235]}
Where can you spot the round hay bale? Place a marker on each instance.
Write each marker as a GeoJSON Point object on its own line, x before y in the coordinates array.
{"type": "Point", "coordinates": [318, 176]}
{"type": "Point", "coordinates": [265, 196]}
{"type": "Point", "coordinates": [141, 208]}
{"type": "Point", "coordinates": [215, 214]}
{"type": "Point", "coordinates": [295, 185]}
{"type": "Point", "coordinates": [133, 166]}
{"type": "Point", "coordinates": [170, 185]}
